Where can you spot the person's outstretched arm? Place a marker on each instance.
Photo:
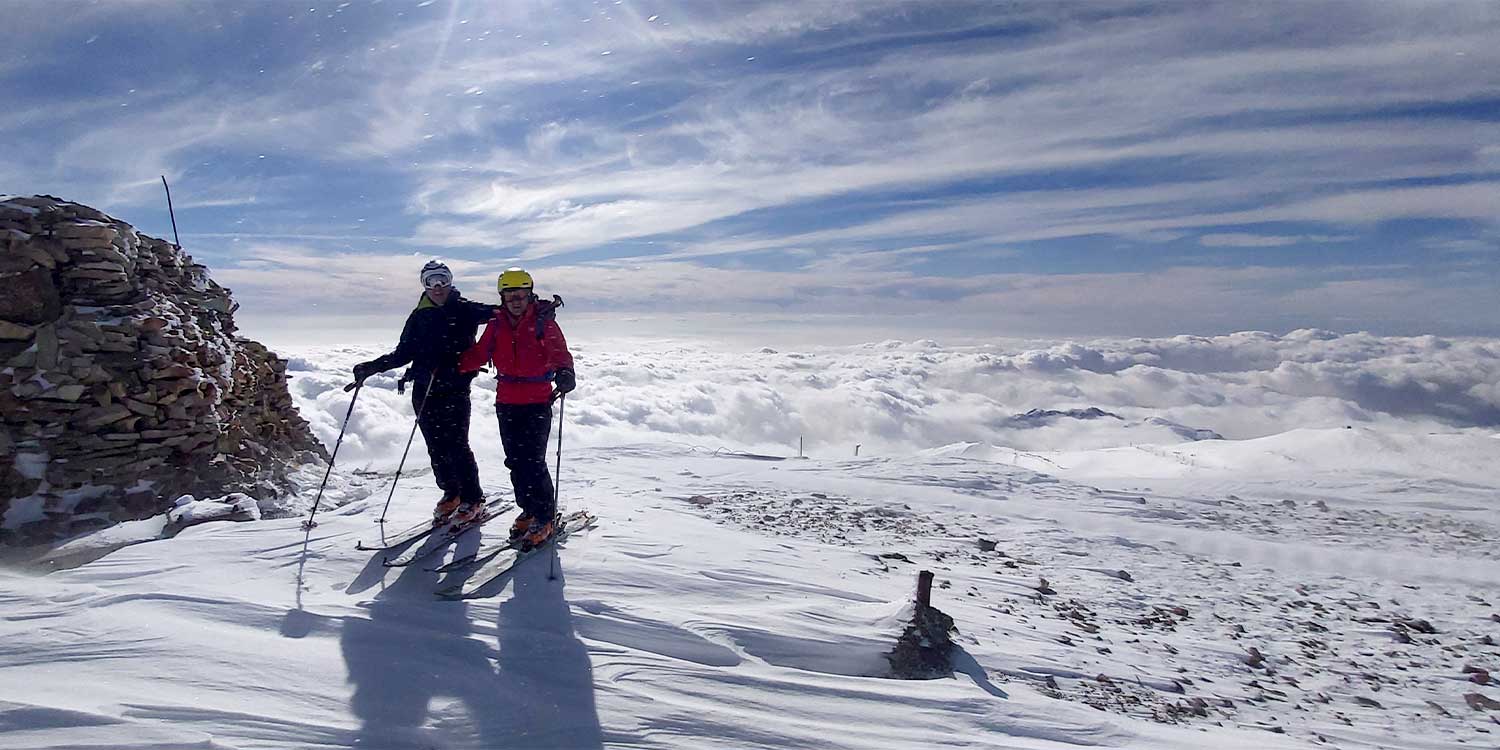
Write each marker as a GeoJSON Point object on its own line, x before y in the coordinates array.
{"type": "Point", "coordinates": [478, 355]}
{"type": "Point", "coordinates": [406, 351]}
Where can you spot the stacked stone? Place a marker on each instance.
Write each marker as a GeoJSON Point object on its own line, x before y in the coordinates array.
{"type": "Point", "coordinates": [122, 384]}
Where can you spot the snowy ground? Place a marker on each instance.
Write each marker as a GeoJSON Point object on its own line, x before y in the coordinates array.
{"type": "Point", "coordinates": [1316, 587]}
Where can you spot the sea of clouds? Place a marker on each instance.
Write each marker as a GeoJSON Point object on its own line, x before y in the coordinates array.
{"type": "Point", "coordinates": [899, 397]}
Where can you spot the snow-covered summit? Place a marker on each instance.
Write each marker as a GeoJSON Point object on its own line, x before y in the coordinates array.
{"type": "Point", "coordinates": [1321, 587]}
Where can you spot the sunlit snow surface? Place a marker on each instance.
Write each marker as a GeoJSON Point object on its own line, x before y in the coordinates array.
{"type": "Point", "coordinates": [728, 600]}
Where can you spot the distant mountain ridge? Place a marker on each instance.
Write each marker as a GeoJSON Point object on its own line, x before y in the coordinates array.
{"type": "Point", "coordinates": [1045, 417]}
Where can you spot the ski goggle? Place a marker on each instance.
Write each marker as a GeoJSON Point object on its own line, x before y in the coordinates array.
{"type": "Point", "coordinates": [437, 279]}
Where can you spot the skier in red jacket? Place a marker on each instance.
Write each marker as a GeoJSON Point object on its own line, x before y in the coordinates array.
{"type": "Point", "coordinates": [526, 346]}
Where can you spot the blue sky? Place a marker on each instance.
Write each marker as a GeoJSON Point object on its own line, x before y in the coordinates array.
{"type": "Point", "coordinates": [1022, 168]}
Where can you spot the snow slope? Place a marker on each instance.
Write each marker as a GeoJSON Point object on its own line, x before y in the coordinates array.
{"type": "Point", "coordinates": [1316, 588]}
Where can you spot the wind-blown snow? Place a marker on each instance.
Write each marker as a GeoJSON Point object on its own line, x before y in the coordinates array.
{"type": "Point", "coordinates": [1300, 585]}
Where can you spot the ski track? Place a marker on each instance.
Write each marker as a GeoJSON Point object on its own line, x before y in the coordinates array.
{"type": "Point", "coordinates": [749, 603]}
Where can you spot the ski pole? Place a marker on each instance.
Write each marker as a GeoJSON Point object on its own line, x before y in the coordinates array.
{"type": "Point", "coordinates": [562, 403]}
{"type": "Point", "coordinates": [399, 467]}
{"type": "Point", "coordinates": [355, 386]}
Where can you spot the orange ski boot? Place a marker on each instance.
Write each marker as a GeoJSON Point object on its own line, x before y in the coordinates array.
{"type": "Point", "coordinates": [522, 523]}
{"type": "Point", "coordinates": [467, 513]}
{"type": "Point", "coordinates": [444, 509]}
{"type": "Point", "coordinates": [538, 533]}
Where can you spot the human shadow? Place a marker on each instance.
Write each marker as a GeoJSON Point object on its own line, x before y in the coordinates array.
{"type": "Point", "coordinates": [421, 680]}
{"type": "Point", "coordinates": [400, 657]}
{"type": "Point", "coordinates": [405, 657]}
{"type": "Point", "coordinates": [545, 667]}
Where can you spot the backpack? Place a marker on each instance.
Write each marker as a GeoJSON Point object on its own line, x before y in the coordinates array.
{"type": "Point", "coordinates": [546, 310]}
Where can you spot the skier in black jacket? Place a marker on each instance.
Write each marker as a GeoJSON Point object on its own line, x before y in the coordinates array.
{"type": "Point", "coordinates": [441, 327]}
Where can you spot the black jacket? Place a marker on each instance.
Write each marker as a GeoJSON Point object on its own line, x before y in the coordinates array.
{"type": "Point", "coordinates": [432, 340]}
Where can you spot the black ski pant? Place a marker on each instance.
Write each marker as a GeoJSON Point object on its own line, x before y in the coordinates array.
{"type": "Point", "coordinates": [523, 432]}
{"type": "Point", "coordinates": [445, 427]}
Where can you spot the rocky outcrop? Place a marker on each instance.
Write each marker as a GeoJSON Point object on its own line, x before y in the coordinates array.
{"type": "Point", "coordinates": [122, 382]}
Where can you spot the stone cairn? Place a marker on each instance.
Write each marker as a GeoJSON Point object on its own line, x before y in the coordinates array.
{"type": "Point", "coordinates": [122, 384]}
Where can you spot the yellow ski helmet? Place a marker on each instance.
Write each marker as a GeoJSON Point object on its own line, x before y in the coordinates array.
{"type": "Point", "coordinates": [515, 278]}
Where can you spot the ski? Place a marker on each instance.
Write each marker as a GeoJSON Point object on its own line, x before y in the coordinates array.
{"type": "Point", "coordinates": [499, 562]}
{"type": "Point", "coordinates": [415, 532]}
{"type": "Point", "coordinates": [461, 562]}
{"type": "Point", "coordinates": [445, 534]}
{"type": "Point", "coordinates": [473, 558]}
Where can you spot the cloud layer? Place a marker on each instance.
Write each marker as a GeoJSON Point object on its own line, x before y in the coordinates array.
{"type": "Point", "coordinates": [900, 397]}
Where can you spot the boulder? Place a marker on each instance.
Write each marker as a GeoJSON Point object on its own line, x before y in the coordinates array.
{"type": "Point", "coordinates": [29, 297]}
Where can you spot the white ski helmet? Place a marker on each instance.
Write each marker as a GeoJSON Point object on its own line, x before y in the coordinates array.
{"type": "Point", "coordinates": [436, 273]}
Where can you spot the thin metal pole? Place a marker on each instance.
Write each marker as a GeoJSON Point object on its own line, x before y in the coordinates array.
{"type": "Point", "coordinates": [562, 404]}
{"type": "Point", "coordinates": [399, 467]}
{"type": "Point", "coordinates": [308, 524]}
{"type": "Point", "coordinates": [175, 239]}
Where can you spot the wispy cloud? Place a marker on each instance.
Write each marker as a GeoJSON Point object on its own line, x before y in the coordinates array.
{"type": "Point", "coordinates": [1267, 240]}
{"type": "Point", "coordinates": [791, 138]}
{"type": "Point", "coordinates": [275, 280]}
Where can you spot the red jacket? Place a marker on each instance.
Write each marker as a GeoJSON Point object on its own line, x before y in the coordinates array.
{"type": "Point", "coordinates": [524, 362]}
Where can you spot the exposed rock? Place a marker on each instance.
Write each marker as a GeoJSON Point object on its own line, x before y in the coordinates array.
{"type": "Point", "coordinates": [1039, 417]}
{"type": "Point", "coordinates": [1412, 624]}
{"type": "Point", "coordinates": [11, 332]}
{"type": "Point", "coordinates": [1254, 658]}
{"type": "Point", "coordinates": [30, 297]}
{"type": "Point", "coordinates": [924, 650]}
{"type": "Point", "coordinates": [122, 380]}
{"type": "Point", "coordinates": [188, 511]}
{"type": "Point", "coordinates": [1481, 702]}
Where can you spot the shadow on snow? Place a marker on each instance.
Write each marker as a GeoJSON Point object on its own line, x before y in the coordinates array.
{"type": "Point", "coordinates": [421, 679]}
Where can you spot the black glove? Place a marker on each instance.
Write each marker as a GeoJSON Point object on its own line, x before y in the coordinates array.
{"type": "Point", "coordinates": [364, 370]}
{"type": "Point", "coordinates": [565, 381]}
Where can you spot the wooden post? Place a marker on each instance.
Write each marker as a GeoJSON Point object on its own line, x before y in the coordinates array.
{"type": "Point", "coordinates": [924, 588]}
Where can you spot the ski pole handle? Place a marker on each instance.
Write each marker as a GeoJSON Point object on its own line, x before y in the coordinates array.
{"type": "Point", "coordinates": [351, 386]}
